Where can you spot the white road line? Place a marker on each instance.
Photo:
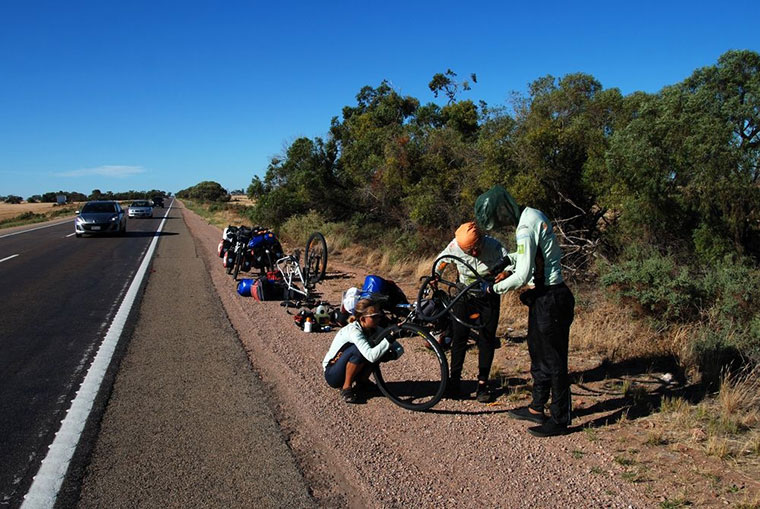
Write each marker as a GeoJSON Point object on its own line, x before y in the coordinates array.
{"type": "Point", "coordinates": [8, 258]}
{"type": "Point", "coordinates": [47, 482]}
{"type": "Point", "coordinates": [33, 229]}
{"type": "Point", "coordinates": [69, 235]}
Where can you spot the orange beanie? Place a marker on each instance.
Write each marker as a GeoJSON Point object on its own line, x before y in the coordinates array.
{"type": "Point", "coordinates": [468, 235]}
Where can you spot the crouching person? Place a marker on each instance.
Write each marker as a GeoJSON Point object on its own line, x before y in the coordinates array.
{"type": "Point", "coordinates": [351, 357]}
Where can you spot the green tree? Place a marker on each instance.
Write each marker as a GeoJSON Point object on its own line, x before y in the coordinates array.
{"type": "Point", "coordinates": [206, 191]}
{"type": "Point", "coordinates": [689, 159]}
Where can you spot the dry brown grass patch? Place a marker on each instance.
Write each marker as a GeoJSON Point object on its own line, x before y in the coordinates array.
{"type": "Point", "coordinates": [726, 425]}
{"type": "Point", "coordinates": [9, 210]}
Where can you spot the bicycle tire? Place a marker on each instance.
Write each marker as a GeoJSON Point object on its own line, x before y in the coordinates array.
{"type": "Point", "coordinates": [238, 263]}
{"type": "Point", "coordinates": [417, 380]}
{"type": "Point", "coordinates": [315, 259]}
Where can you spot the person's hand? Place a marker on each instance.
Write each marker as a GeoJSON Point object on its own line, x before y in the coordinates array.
{"type": "Point", "coordinates": [501, 276]}
{"type": "Point", "coordinates": [433, 283]}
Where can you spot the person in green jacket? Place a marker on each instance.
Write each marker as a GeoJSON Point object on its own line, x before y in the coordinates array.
{"type": "Point", "coordinates": [550, 303]}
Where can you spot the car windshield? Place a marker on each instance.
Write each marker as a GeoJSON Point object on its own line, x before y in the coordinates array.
{"type": "Point", "coordinates": [140, 204]}
{"type": "Point", "coordinates": [98, 208]}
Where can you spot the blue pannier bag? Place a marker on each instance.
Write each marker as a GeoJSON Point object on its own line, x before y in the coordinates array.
{"type": "Point", "coordinates": [383, 291]}
{"type": "Point", "coordinates": [244, 287]}
{"type": "Point", "coordinates": [261, 242]}
{"type": "Point", "coordinates": [372, 285]}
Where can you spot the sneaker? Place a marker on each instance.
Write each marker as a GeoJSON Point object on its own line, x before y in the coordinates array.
{"type": "Point", "coordinates": [524, 414]}
{"type": "Point", "coordinates": [548, 429]}
{"type": "Point", "coordinates": [349, 396]}
{"type": "Point", "coordinates": [484, 394]}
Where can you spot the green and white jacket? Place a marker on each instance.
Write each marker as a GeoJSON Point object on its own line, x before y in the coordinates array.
{"type": "Point", "coordinates": [534, 232]}
{"type": "Point", "coordinates": [490, 254]}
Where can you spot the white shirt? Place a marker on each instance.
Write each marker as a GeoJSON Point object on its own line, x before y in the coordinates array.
{"type": "Point", "coordinates": [353, 333]}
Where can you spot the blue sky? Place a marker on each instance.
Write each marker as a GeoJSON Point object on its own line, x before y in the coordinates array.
{"type": "Point", "coordinates": [162, 95]}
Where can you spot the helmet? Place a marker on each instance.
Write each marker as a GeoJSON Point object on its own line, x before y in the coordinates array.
{"type": "Point", "coordinates": [350, 297]}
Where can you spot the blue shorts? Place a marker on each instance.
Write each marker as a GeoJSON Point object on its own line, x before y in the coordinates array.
{"type": "Point", "coordinates": [335, 373]}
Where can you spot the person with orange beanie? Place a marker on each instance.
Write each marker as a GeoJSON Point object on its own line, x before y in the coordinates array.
{"type": "Point", "coordinates": [480, 252]}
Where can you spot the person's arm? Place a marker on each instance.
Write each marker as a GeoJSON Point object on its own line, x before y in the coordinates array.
{"type": "Point", "coordinates": [442, 265]}
{"type": "Point", "coordinates": [369, 352]}
{"type": "Point", "coordinates": [524, 260]}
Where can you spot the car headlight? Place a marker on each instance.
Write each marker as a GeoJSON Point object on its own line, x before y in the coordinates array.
{"type": "Point", "coordinates": [114, 218]}
{"type": "Point", "coordinates": [79, 220]}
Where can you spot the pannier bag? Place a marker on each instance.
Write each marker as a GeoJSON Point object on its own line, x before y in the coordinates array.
{"type": "Point", "coordinates": [265, 248]}
{"type": "Point", "coordinates": [229, 259]}
{"type": "Point", "coordinates": [383, 291]}
{"type": "Point", "coordinates": [264, 289]}
{"type": "Point", "coordinates": [244, 287]}
{"type": "Point", "coordinates": [433, 306]}
{"type": "Point", "coordinates": [228, 237]}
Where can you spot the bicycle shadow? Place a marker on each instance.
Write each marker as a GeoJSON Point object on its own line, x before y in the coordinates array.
{"type": "Point", "coordinates": [338, 275]}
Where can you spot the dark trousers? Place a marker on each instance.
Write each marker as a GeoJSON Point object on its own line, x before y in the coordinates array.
{"type": "Point", "coordinates": [335, 373]}
{"type": "Point", "coordinates": [488, 308]}
{"type": "Point", "coordinates": [551, 311]}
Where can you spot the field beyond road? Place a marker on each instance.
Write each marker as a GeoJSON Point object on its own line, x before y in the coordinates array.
{"type": "Point", "coordinates": [9, 210]}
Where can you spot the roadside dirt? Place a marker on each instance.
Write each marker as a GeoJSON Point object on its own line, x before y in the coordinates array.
{"type": "Point", "coordinates": [462, 453]}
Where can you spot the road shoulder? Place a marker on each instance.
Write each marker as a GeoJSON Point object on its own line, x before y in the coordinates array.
{"type": "Point", "coordinates": [188, 423]}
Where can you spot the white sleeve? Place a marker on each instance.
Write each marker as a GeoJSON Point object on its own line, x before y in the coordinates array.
{"type": "Point", "coordinates": [524, 260]}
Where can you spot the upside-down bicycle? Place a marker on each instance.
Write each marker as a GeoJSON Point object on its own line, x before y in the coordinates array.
{"type": "Point", "coordinates": [417, 379]}
{"type": "Point", "coordinates": [301, 280]}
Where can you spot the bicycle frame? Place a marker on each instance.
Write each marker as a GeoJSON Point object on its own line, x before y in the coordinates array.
{"type": "Point", "coordinates": [292, 275]}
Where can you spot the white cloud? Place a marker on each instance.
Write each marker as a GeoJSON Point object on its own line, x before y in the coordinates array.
{"type": "Point", "coordinates": [105, 171]}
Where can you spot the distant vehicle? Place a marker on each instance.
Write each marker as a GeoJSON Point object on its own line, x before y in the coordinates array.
{"type": "Point", "coordinates": [100, 217]}
{"type": "Point", "coordinates": [141, 208]}
{"type": "Point", "coordinates": [158, 201]}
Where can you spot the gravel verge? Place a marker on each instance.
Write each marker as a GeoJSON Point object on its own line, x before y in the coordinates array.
{"type": "Point", "coordinates": [461, 453]}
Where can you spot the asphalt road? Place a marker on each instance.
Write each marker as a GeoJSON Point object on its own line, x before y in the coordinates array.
{"type": "Point", "coordinates": [57, 298]}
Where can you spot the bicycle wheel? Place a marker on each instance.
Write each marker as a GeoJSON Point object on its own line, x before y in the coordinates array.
{"type": "Point", "coordinates": [238, 263]}
{"type": "Point", "coordinates": [315, 259]}
{"type": "Point", "coordinates": [417, 379]}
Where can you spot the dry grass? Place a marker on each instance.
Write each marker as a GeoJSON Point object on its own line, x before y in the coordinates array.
{"type": "Point", "coordinates": [8, 210]}
{"type": "Point", "coordinates": [726, 425]}
{"type": "Point", "coordinates": [241, 199]}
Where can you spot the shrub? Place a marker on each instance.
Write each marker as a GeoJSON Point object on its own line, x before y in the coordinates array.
{"type": "Point", "coordinates": [657, 286]}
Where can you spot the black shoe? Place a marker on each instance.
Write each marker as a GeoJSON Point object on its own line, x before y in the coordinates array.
{"type": "Point", "coordinates": [548, 429]}
{"type": "Point", "coordinates": [350, 396]}
{"type": "Point", "coordinates": [524, 414]}
{"type": "Point", "coordinates": [484, 394]}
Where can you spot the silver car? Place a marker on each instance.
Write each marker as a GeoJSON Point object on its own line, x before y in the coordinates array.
{"type": "Point", "coordinates": [100, 217]}
{"type": "Point", "coordinates": [141, 208]}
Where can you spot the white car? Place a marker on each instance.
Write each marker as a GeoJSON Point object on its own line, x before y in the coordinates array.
{"type": "Point", "coordinates": [141, 208]}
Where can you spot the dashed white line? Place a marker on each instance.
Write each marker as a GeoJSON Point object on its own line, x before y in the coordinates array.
{"type": "Point", "coordinates": [69, 235]}
{"type": "Point", "coordinates": [47, 482]}
{"type": "Point", "coordinates": [8, 258]}
{"type": "Point", "coordinates": [33, 229]}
